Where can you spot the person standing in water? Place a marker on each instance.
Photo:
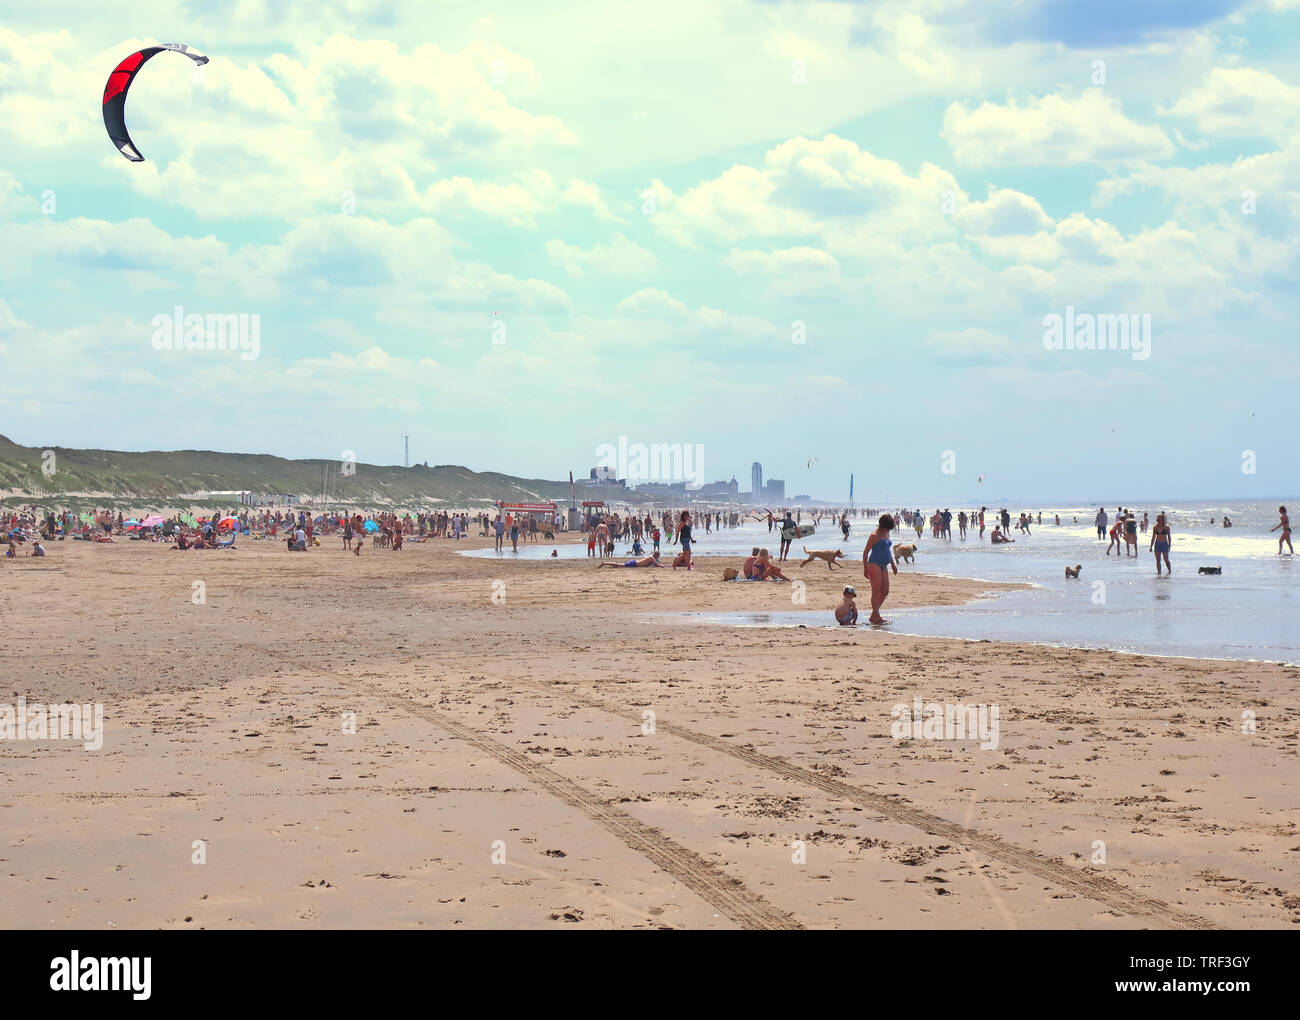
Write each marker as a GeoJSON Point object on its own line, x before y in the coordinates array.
{"type": "Point", "coordinates": [1285, 525]}
{"type": "Point", "coordinates": [1161, 539]}
{"type": "Point", "coordinates": [877, 560]}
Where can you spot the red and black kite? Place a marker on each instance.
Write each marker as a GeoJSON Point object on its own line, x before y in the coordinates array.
{"type": "Point", "coordinates": [115, 94]}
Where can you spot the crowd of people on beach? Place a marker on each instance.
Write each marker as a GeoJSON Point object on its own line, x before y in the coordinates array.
{"type": "Point", "coordinates": [646, 532]}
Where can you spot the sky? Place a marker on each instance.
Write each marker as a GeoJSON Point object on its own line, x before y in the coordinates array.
{"type": "Point", "coordinates": [826, 236]}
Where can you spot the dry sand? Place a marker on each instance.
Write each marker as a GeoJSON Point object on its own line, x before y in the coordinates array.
{"type": "Point", "coordinates": [499, 774]}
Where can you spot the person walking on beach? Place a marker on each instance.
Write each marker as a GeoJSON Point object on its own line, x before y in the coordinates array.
{"type": "Point", "coordinates": [1285, 525]}
{"type": "Point", "coordinates": [684, 538]}
{"type": "Point", "coordinates": [982, 509]}
{"type": "Point", "coordinates": [499, 528]}
{"type": "Point", "coordinates": [877, 560]}
{"type": "Point", "coordinates": [787, 526]}
{"type": "Point", "coordinates": [1102, 521]}
{"type": "Point", "coordinates": [1161, 539]}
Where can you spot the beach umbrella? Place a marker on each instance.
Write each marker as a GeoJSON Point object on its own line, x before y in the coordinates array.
{"type": "Point", "coordinates": [371, 526]}
{"type": "Point", "coordinates": [226, 523]}
{"type": "Point", "coordinates": [133, 523]}
{"type": "Point", "coordinates": [152, 521]}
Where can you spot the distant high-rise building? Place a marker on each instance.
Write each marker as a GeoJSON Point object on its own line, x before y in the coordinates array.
{"type": "Point", "coordinates": [774, 491]}
{"type": "Point", "coordinates": [756, 481]}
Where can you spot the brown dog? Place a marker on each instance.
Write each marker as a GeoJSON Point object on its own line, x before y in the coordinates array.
{"type": "Point", "coordinates": [829, 556]}
{"type": "Point", "coordinates": [1073, 571]}
{"type": "Point", "coordinates": [905, 552]}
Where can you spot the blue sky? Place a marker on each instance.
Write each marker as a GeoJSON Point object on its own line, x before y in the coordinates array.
{"type": "Point", "coordinates": [641, 203]}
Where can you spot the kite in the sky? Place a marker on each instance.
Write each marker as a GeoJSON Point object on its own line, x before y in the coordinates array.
{"type": "Point", "coordinates": [810, 462]}
{"type": "Point", "coordinates": [115, 94]}
{"type": "Point", "coordinates": [981, 479]}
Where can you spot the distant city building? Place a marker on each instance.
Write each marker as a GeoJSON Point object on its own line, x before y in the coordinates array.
{"type": "Point", "coordinates": [774, 490]}
{"type": "Point", "coordinates": [756, 475]}
{"type": "Point", "coordinates": [715, 490]}
{"type": "Point", "coordinates": [604, 473]}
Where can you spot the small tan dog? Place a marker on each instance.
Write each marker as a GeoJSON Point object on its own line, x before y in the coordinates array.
{"type": "Point", "coordinates": [905, 552]}
{"type": "Point", "coordinates": [1073, 571]}
{"type": "Point", "coordinates": [828, 555]}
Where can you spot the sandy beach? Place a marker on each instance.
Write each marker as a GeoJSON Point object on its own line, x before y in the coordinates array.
{"type": "Point", "coordinates": [504, 771]}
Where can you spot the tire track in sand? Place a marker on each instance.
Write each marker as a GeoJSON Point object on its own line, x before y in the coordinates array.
{"type": "Point", "coordinates": [730, 896]}
{"type": "Point", "coordinates": [1095, 887]}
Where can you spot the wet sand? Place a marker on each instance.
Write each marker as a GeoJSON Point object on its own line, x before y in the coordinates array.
{"type": "Point", "coordinates": [503, 771]}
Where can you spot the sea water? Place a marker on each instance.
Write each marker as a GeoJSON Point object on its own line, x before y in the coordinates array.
{"type": "Point", "coordinates": [1249, 612]}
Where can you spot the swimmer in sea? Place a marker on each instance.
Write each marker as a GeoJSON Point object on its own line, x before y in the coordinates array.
{"type": "Point", "coordinates": [1161, 539]}
{"type": "Point", "coordinates": [1285, 525]}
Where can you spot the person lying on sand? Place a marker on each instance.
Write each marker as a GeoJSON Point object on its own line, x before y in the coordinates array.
{"type": "Point", "coordinates": [645, 561]}
{"type": "Point", "coordinates": [846, 613]}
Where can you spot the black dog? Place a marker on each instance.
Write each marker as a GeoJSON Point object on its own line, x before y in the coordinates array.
{"type": "Point", "coordinates": [1210, 570]}
{"type": "Point", "coordinates": [549, 536]}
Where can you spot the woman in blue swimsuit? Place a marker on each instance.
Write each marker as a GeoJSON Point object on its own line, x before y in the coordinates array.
{"type": "Point", "coordinates": [877, 560]}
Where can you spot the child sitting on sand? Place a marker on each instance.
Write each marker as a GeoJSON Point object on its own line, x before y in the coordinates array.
{"type": "Point", "coordinates": [846, 613]}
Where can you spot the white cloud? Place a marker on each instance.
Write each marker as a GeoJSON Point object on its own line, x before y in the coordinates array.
{"type": "Point", "coordinates": [1053, 130]}
{"type": "Point", "coordinates": [1004, 212]}
{"type": "Point", "coordinates": [1240, 101]}
{"type": "Point", "coordinates": [620, 257]}
{"type": "Point", "coordinates": [801, 272]}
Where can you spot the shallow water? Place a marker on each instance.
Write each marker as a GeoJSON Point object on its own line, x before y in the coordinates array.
{"type": "Point", "coordinates": [1247, 613]}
